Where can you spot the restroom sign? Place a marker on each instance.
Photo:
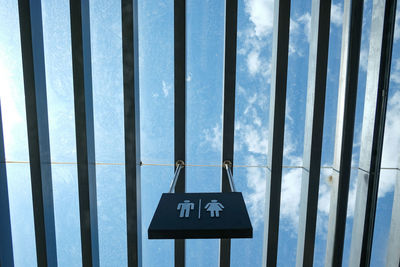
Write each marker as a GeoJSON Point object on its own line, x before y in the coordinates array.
{"type": "Point", "coordinates": [200, 215]}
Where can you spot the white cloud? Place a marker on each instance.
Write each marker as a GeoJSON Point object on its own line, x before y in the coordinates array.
{"type": "Point", "coordinates": [255, 139]}
{"type": "Point", "coordinates": [336, 14]}
{"type": "Point", "coordinates": [292, 48]}
{"type": "Point", "coordinates": [166, 88]}
{"type": "Point", "coordinates": [253, 62]}
{"type": "Point", "coordinates": [391, 146]}
{"type": "Point", "coordinates": [395, 75]}
{"type": "Point", "coordinates": [11, 115]}
{"type": "Point", "coordinates": [290, 194]}
{"type": "Point", "coordinates": [294, 27]}
{"type": "Point", "coordinates": [396, 27]}
{"type": "Point", "coordinates": [364, 59]}
{"type": "Point", "coordinates": [189, 77]}
{"type": "Point", "coordinates": [255, 200]}
{"type": "Point", "coordinates": [257, 36]}
{"type": "Point", "coordinates": [213, 137]}
{"type": "Point", "coordinates": [325, 192]}
{"type": "Point", "coordinates": [261, 14]}
{"type": "Point", "coordinates": [305, 19]}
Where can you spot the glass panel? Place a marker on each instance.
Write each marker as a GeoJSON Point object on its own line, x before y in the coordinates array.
{"type": "Point", "coordinates": [111, 202]}
{"type": "Point", "coordinates": [205, 46]}
{"type": "Point", "coordinates": [105, 20]}
{"type": "Point", "coordinates": [66, 214]}
{"type": "Point", "coordinates": [383, 217]}
{"type": "Point", "coordinates": [332, 83]}
{"type": "Point", "coordinates": [251, 182]}
{"type": "Point", "coordinates": [296, 100]}
{"type": "Point", "coordinates": [350, 216]}
{"type": "Point", "coordinates": [322, 216]}
{"type": "Point", "coordinates": [390, 159]}
{"type": "Point", "coordinates": [328, 140]}
{"type": "Point", "coordinates": [391, 144]}
{"type": "Point", "coordinates": [296, 96]}
{"type": "Point", "coordinates": [60, 95]}
{"type": "Point", "coordinates": [22, 225]}
{"type": "Point", "coordinates": [289, 216]}
{"type": "Point", "coordinates": [155, 181]}
{"type": "Point", "coordinates": [11, 83]}
{"type": "Point", "coordinates": [362, 80]}
{"type": "Point", "coordinates": [156, 44]}
{"type": "Point", "coordinates": [251, 122]}
{"type": "Point", "coordinates": [12, 99]}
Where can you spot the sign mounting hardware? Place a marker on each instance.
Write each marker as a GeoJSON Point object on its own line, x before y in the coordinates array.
{"type": "Point", "coordinates": [200, 215]}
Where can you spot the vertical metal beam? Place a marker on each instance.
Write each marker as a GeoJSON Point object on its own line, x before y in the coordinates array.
{"type": "Point", "coordinates": [30, 19]}
{"type": "Point", "coordinates": [351, 41]}
{"type": "Point", "coordinates": [393, 247]}
{"type": "Point", "coordinates": [6, 246]}
{"type": "Point", "coordinates": [84, 127]}
{"type": "Point", "coordinates": [130, 54]}
{"type": "Point", "coordinates": [379, 61]}
{"type": "Point", "coordinates": [317, 71]}
{"type": "Point", "coordinates": [228, 128]}
{"type": "Point", "coordinates": [180, 107]}
{"type": "Point", "coordinates": [280, 51]}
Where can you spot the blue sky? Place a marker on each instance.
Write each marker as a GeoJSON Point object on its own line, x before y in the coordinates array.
{"type": "Point", "coordinates": [205, 51]}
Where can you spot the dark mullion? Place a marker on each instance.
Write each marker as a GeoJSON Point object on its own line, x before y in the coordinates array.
{"type": "Point", "coordinates": [382, 32]}
{"type": "Point", "coordinates": [84, 127]}
{"type": "Point", "coordinates": [280, 47]}
{"type": "Point", "coordinates": [6, 246]}
{"type": "Point", "coordinates": [132, 130]}
{"type": "Point", "coordinates": [349, 81]}
{"type": "Point", "coordinates": [180, 107]}
{"type": "Point", "coordinates": [317, 71]}
{"type": "Point", "coordinates": [228, 129]}
{"type": "Point", "coordinates": [30, 18]}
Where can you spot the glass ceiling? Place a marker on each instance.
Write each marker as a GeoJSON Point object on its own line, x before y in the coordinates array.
{"type": "Point", "coordinates": [205, 41]}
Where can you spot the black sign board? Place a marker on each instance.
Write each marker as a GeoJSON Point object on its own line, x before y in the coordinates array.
{"type": "Point", "coordinates": [200, 215]}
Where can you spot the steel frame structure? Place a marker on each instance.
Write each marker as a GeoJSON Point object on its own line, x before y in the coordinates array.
{"type": "Point", "coordinates": [381, 42]}
{"type": "Point", "coordinates": [84, 127]}
{"type": "Point", "coordinates": [30, 18]}
{"type": "Point", "coordinates": [317, 72]}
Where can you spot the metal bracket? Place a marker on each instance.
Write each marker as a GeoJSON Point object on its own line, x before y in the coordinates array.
{"type": "Point", "coordinates": [179, 165]}
{"type": "Point", "coordinates": [228, 166]}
